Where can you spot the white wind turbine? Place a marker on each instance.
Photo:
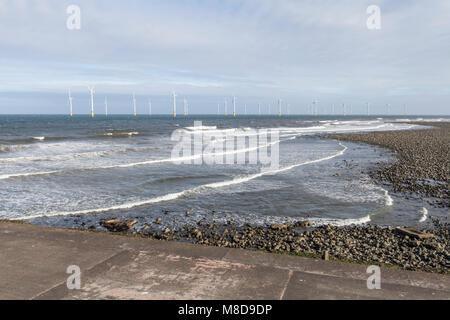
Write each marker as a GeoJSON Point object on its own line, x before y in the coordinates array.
{"type": "Point", "coordinates": [185, 105]}
{"type": "Point", "coordinates": [70, 102]}
{"type": "Point", "coordinates": [106, 106]}
{"type": "Point", "coordinates": [134, 105]}
{"type": "Point", "coordinates": [279, 107]}
{"type": "Point", "coordinates": [174, 96]}
{"type": "Point", "coordinates": [91, 92]}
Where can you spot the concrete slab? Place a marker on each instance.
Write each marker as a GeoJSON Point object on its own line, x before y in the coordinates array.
{"type": "Point", "coordinates": [33, 263]}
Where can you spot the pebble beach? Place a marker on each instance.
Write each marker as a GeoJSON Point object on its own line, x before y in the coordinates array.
{"type": "Point", "coordinates": [421, 168]}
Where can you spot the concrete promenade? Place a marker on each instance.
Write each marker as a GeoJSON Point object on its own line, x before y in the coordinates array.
{"type": "Point", "coordinates": [34, 260]}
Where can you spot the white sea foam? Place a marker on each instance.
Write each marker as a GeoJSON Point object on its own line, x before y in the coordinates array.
{"type": "Point", "coordinates": [173, 196]}
{"type": "Point", "coordinates": [339, 222]}
{"type": "Point", "coordinates": [145, 163]}
{"type": "Point", "coordinates": [424, 214]}
{"type": "Point", "coordinates": [76, 155]}
{"type": "Point", "coordinates": [28, 174]}
{"type": "Point", "coordinates": [39, 138]}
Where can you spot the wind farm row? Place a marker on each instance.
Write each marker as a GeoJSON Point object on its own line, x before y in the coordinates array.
{"type": "Point", "coordinates": [312, 108]}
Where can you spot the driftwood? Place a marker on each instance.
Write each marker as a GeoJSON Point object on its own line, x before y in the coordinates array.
{"type": "Point", "coordinates": [415, 233]}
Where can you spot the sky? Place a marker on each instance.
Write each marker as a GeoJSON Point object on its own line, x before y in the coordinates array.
{"type": "Point", "coordinates": [210, 50]}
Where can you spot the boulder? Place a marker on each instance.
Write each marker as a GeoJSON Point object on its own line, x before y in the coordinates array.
{"type": "Point", "coordinates": [117, 225]}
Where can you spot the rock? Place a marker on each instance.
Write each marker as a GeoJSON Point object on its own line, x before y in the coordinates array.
{"type": "Point", "coordinates": [280, 227]}
{"type": "Point", "coordinates": [188, 213]}
{"type": "Point", "coordinates": [158, 221]}
{"type": "Point", "coordinates": [117, 225]}
{"type": "Point", "coordinates": [326, 255]}
{"type": "Point", "coordinates": [302, 224]}
{"type": "Point", "coordinates": [197, 233]}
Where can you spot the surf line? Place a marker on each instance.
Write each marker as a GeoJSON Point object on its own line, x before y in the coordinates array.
{"type": "Point", "coordinates": [143, 163]}
{"type": "Point", "coordinates": [173, 196]}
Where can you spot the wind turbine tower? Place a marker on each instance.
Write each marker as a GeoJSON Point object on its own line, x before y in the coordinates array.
{"type": "Point", "coordinates": [245, 109]}
{"type": "Point", "coordinates": [406, 109]}
{"type": "Point", "coordinates": [149, 107]}
{"type": "Point", "coordinates": [70, 102]}
{"type": "Point", "coordinates": [234, 107]}
{"type": "Point", "coordinates": [134, 104]}
{"type": "Point", "coordinates": [218, 109]}
{"type": "Point", "coordinates": [174, 96]}
{"type": "Point", "coordinates": [315, 107]}
{"type": "Point", "coordinates": [388, 108]}
{"type": "Point", "coordinates": [259, 108]}
{"type": "Point", "coordinates": [91, 92]}
{"type": "Point", "coordinates": [106, 106]}
{"type": "Point", "coordinates": [279, 107]}
{"type": "Point", "coordinates": [185, 107]}
{"type": "Point", "coordinates": [332, 109]}
{"type": "Point", "coordinates": [368, 109]}
{"type": "Point", "coordinates": [345, 111]}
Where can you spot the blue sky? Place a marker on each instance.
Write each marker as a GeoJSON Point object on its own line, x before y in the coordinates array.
{"type": "Point", "coordinates": [209, 50]}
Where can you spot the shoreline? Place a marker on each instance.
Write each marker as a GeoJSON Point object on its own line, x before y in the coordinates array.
{"type": "Point", "coordinates": [357, 244]}
{"type": "Point", "coordinates": [367, 244]}
{"type": "Point", "coordinates": [422, 165]}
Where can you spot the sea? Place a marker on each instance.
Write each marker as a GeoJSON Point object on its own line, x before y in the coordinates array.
{"type": "Point", "coordinates": [68, 172]}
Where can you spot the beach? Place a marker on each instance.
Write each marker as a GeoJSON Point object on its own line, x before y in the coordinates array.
{"type": "Point", "coordinates": [421, 156]}
{"type": "Point", "coordinates": [423, 160]}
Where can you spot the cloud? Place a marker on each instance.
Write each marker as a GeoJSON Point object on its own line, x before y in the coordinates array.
{"type": "Point", "coordinates": [300, 49]}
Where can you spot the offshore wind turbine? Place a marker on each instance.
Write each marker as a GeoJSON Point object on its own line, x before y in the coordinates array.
{"type": "Point", "coordinates": [259, 108]}
{"type": "Point", "coordinates": [218, 109]}
{"type": "Point", "coordinates": [134, 105]}
{"type": "Point", "coordinates": [185, 105]}
{"type": "Point", "coordinates": [288, 109]}
{"type": "Point", "coordinates": [70, 102]}
{"type": "Point", "coordinates": [106, 106]}
{"type": "Point", "coordinates": [234, 106]}
{"type": "Point", "coordinates": [279, 107]}
{"type": "Point", "coordinates": [91, 92]}
{"type": "Point", "coordinates": [406, 109]}
{"type": "Point", "coordinates": [344, 109]}
{"type": "Point", "coordinates": [332, 109]}
{"type": "Point", "coordinates": [388, 108]}
{"type": "Point", "coordinates": [149, 107]}
{"type": "Point", "coordinates": [368, 109]}
{"type": "Point", "coordinates": [315, 107]}
{"type": "Point", "coordinates": [245, 109]}
{"type": "Point", "coordinates": [174, 96]}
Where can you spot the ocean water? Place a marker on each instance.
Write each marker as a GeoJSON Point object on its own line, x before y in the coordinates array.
{"type": "Point", "coordinates": [67, 172]}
